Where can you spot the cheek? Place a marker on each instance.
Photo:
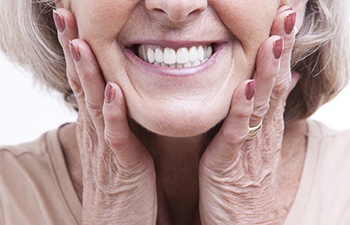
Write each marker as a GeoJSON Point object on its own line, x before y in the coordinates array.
{"type": "Point", "coordinates": [249, 20]}
{"type": "Point", "coordinates": [101, 21]}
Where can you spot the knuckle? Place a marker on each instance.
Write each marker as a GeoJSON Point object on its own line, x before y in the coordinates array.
{"type": "Point", "coordinates": [115, 140]}
{"type": "Point", "coordinates": [111, 115]}
{"type": "Point", "coordinates": [91, 140]}
{"type": "Point", "coordinates": [94, 109]}
{"type": "Point", "coordinates": [260, 110]}
{"type": "Point", "coordinates": [282, 86]}
{"type": "Point", "coordinates": [232, 138]}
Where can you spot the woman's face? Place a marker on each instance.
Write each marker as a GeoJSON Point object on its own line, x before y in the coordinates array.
{"type": "Point", "coordinates": [138, 42]}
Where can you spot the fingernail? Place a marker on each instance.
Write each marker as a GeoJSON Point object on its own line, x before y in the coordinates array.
{"type": "Point", "coordinates": [278, 48]}
{"type": "Point", "coordinates": [74, 51]}
{"type": "Point", "coordinates": [289, 22]}
{"type": "Point", "coordinates": [59, 21]}
{"type": "Point", "coordinates": [109, 93]}
{"type": "Point", "coordinates": [250, 90]}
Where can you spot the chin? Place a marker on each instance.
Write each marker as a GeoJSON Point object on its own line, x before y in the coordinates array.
{"type": "Point", "coordinates": [180, 124]}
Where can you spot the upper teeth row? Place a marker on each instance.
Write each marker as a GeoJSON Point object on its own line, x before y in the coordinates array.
{"type": "Point", "coordinates": [182, 57]}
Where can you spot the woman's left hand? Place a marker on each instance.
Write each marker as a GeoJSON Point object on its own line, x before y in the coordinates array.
{"type": "Point", "coordinates": [237, 175]}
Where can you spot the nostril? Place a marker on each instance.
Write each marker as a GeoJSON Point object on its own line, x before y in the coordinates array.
{"type": "Point", "coordinates": [176, 10]}
{"type": "Point", "coordinates": [159, 10]}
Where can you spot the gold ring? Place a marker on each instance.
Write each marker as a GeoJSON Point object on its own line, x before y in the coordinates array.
{"type": "Point", "coordinates": [253, 131]}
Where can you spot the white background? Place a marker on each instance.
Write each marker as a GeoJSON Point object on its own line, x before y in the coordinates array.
{"type": "Point", "coordinates": [26, 110]}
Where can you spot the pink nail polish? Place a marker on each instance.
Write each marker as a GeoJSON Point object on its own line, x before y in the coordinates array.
{"type": "Point", "coordinates": [289, 22]}
{"type": "Point", "coordinates": [59, 21]}
{"type": "Point", "coordinates": [250, 90]}
{"type": "Point", "coordinates": [278, 48]}
{"type": "Point", "coordinates": [74, 51]}
{"type": "Point", "coordinates": [109, 93]}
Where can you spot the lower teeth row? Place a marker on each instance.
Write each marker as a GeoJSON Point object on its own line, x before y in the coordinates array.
{"type": "Point", "coordinates": [181, 65]}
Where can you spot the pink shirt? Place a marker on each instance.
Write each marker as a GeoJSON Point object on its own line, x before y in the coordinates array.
{"type": "Point", "coordinates": [35, 187]}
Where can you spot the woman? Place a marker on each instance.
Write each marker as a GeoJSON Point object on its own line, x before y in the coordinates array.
{"type": "Point", "coordinates": [181, 113]}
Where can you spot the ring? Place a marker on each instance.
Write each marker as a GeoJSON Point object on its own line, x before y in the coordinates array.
{"type": "Point", "coordinates": [253, 131]}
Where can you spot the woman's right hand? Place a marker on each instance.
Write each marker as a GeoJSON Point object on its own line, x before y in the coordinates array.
{"type": "Point", "coordinates": [118, 172]}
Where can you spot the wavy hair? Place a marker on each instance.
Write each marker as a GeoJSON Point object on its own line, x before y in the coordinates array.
{"type": "Point", "coordinates": [321, 52]}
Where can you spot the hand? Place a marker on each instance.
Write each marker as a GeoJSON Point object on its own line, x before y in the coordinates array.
{"type": "Point", "coordinates": [238, 176]}
{"type": "Point", "coordinates": [118, 172]}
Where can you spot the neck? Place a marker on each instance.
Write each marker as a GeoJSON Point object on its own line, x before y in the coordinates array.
{"type": "Point", "coordinates": [176, 162]}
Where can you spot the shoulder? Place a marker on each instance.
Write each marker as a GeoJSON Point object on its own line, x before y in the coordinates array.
{"type": "Point", "coordinates": [329, 140]}
{"type": "Point", "coordinates": [22, 161]}
{"type": "Point", "coordinates": [323, 195]}
{"type": "Point", "coordinates": [326, 171]}
{"type": "Point", "coordinates": [23, 157]}
{"type": "Point", "coordinates": [329, 149]}
{"type": "Point", "coordinates": [33, 148]}
{"type": "Point", "coordinates": [32, 183]}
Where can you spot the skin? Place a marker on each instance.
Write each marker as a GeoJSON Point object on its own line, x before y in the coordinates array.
{"type": "Point", "coordinates": [194, 167]}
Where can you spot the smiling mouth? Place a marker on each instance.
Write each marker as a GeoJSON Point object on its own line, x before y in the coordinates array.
{"type": "Point", "coordinates": [183, 57]}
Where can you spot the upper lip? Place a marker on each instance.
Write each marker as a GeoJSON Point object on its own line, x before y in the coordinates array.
{"type": "Point", "coordinates": [173, 43]}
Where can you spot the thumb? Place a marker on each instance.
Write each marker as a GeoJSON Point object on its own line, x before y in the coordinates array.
{"type": "Point", "coordinates": [129, 151]}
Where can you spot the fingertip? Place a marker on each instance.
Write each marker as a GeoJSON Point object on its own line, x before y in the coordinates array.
{"type": "Point", "coordinates": [59, 21]}
{"type": "Point", "coordinates": [285, 23]}
{"type": "Point", "coordinates": [289, 22]}
{"type": "Point", "coordinates": [243, 100]}
{"type": "Point", "coordinates": [250, 90]}
{"type": "Point", "coordinates": [111, 91]}
{"type": "Point", "coordinates": [74, 51]}
{"type": "Point", "coordinates": [114, 112]}
{"type": "Point", "coordinates": [114, 106]}
{"type": "Point", "coordinates": [278, 47]}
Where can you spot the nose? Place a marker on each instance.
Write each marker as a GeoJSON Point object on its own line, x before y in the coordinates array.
{"type": "Point", "coordinates": [177, 10]}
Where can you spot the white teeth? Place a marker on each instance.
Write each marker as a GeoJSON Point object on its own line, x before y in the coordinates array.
{"type": "Point", "coordinates": [200, 50]}
{"type": "Point", "coordinates": [182, 55]}
{"type": "Point", "coordinates": [150, 55]}
{"type": "Point", "coordinates": [193, 54]}
{"type": "Point", "coordinates": [181, 58]}
{"type": "Point", "coordinates": [208, 52]}
{"type": "Point", "coordinates": [169, 56]}
{"type": "Point", "coordinates": [159, 55]}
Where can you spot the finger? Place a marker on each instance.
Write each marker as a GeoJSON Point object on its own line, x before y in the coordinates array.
{"type": "Point", "coordinates": [223, 150]}
{"type": "Point", "coordinates": [284, 25]}
{"type": "Point", "coordinates": [295, 79]}
{"type": "Point", "coordinates": [267, 67]}
{"type": "Point", "coordinates": [66, 31]}
{"type": "Point", "coordinates": [128, 149]}
{"type": "Point", "coordinates": [91, 80]}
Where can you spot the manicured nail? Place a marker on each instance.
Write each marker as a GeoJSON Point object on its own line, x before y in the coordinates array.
{"type": "Point", "coordinates": [59, 21]}
{"type": "Point", "coordinates": [278, 48]}
{"type": "Point", "coordinates": [109, 93]}
{"type": "Point", "coordinates": [74, 51]}
{"type": "Point", "coordinates": [289, 22]}
{"type": "Point", "coordinates": [250, 90]}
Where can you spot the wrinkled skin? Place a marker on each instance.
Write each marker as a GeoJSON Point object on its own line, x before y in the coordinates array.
{"type": "Point", "coordinates": [237, 177]}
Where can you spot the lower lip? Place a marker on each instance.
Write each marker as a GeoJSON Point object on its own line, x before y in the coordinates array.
{"type": "Point", "coordinates": [178, 72]}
